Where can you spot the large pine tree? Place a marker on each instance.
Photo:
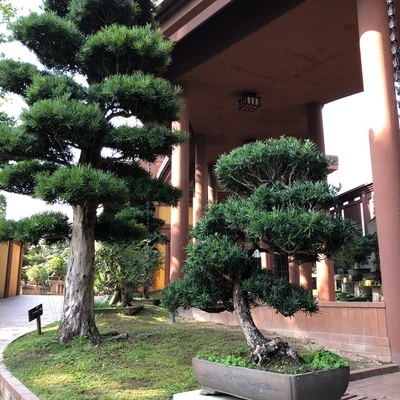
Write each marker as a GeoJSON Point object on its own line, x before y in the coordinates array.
{"type": "Point", "coordinates": [101, 59]}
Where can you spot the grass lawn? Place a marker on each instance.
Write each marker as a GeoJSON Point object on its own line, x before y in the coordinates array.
{"type": "Point", "coordinates": [153, 364]}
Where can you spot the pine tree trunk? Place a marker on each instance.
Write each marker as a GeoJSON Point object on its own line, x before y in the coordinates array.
{"type": "Point", "coordinates": [77, 317]}
{"type": "Point", "coordinates": [116, 297]}
{"type": "Point", "coordinates": [253, 336]}
{"type": "Point", "coordinates": [260, 347]}
{"type": "Point", "coordinates": [126, 296]}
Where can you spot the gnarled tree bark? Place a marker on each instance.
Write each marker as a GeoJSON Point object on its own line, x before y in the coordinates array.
{"type": "Point", "coordinates": [260, 347]}
{"type": "Point", "coordinates": [77, 317]}
{"type": "Point", "coordinates": [126, 296]}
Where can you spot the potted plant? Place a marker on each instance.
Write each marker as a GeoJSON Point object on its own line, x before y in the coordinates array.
{"type": "Point", "coordinates": [225, 376]}
{"type": "Point", "coordinates": [278, 202]}
{"type": "Point", "coordinates": [359, 252]}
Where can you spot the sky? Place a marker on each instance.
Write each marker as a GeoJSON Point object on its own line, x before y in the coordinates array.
{"type": "Point", "coordinates": [346, 135]}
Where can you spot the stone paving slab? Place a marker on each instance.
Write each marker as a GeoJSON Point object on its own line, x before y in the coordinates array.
{"type": "Point", "coordinates": [382, 387]}
{"type": "Point", "coordinates": [385, 387]}
{"type": "Point", "coordinates": [195, 395]}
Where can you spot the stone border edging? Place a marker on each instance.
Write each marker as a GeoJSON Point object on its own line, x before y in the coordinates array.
{"type": "Point", "coordinates": [374, 371]}
{"type": "Point", "coordinates": [11, 388]}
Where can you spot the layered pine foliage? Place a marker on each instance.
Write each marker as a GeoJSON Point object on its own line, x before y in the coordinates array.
{"type": "Point", "coordinates": [100, 60]}
{"type": "Point", "coordinates": [279, 204]}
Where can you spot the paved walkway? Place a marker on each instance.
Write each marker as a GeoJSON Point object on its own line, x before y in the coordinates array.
{"type": "Point", "coordinates": [14, 323]}
{"type": "Point", "coordinates": [14, 316]}
{"type": "Point", "coordinates": [385, 387]}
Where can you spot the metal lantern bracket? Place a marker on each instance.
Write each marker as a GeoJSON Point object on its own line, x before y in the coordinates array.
{"type": "Point", "coordinates": [250, 102]}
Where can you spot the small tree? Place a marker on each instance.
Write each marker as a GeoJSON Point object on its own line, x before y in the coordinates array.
{"type": "Point", "coordinates": [37, 274]}
{"type": "Point", "coordinates": [56, 265]}
{"type": "Point", "coordinates": [49, 259]}
{"type": "Point", "coordinates": [279, 197]}
{"type": "Point", "coordinates": [121, 269]}
{"type": "Point", "coordinates": [358, 251]}
{"type": "Point", "coordinates": [66, 148]}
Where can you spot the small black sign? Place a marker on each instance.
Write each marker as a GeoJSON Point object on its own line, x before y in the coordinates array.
{"type": "Point", "coordinates": [35, 313]}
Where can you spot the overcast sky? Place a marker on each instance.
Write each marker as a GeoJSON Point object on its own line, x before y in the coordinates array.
{"type": "Point", "coordinates": [346, 135]}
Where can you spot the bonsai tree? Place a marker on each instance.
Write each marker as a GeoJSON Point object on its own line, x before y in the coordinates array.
{"type": "Point", "coordinates": [44, 261]}
{"type": "Point", "coordinates": [66, 148]}
{"type": "Point", "coordinates": [279, 197]}
{"type": "Point", "coordinates": [358, 251]}
{"type": "Point", "coordinates": [56, 266]}
{"type": "Point", "coordinates": [122, 268]}
{"type": "Point", "coordinates": [37, 274]}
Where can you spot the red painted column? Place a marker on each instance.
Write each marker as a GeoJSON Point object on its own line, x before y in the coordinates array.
{"type": "Point", "coordinates": [294, 272]}
{"type": "Point", "coordinates": [21, 258]}
{"type": "Point", "coordinates": [305, 272]}
{"type": "Point", "coordinates": [377, 70]}
{"type": "Point", "coordinates": [212, 185]}
{"type": "Point", "coordinates": [267, 260]}
{"type": "Point", "coordinates": [200, 178]}
{"type": "Point", "coordinates": [315, 125]}
{"type": "Point", "coordinates": [8, 269]}
{"type": "Point", "coordinates": [180, 214]}
{"type": "Point", "coordinates": [325, 280]}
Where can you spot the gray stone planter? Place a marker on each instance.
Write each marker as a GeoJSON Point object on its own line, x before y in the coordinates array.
{"type": "Point", "coordinates": [116, 310]}
{"type": "Point", "coordinates": [151, 302]}
{"type": "Point", "coordinates": [359, 271]}
{"type": "Point", "coordinates": [252, 384]}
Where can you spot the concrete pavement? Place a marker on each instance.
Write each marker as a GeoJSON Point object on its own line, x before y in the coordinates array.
{"type": "Point", "coordinates": [385, 387]}
{"type": "Point", "coordinates": [14, 316]}
{"type": "Point", "coordinates": [382, 387]}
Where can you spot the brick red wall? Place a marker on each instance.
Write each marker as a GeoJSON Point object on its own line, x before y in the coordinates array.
{"type": "Point", "coordinates": [356, 327]}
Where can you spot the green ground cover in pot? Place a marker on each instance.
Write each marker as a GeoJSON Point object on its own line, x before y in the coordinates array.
{"type": "Point", "coordinates": [314, 361]}
{"type": "Point", "coordinates": [324, 359]}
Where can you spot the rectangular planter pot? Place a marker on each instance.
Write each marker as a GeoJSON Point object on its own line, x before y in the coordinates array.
{"type": "Point", "coordinates": [116, 310]}
{"type": "Point", "coordinates": [150, 302]}
{"type": "Point", "coordinates": [359, 271]}
{"type": "Point", "coordinates": [252, 384]}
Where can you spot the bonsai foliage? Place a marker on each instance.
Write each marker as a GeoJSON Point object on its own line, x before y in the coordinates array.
{"type": "Point", "coordinates": [37, 274]}
{"type": "Point", "coordinates": [122, 268]}
{"type": "Point", "coordinates": [101, 60]}
{"type": "Point", "coordinates": [358, 250]}
{"type": "Point", "coordinates": [278, 202]}
{"type": "Point", "coordinates": [50, 260]}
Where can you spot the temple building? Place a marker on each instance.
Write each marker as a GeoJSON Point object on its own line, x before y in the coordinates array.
{"type": "Point", "coordinates": [253, 70]}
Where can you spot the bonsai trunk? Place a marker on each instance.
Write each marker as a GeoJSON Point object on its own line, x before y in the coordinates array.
{"type": "Point", "coordinates": [77, 317]}
{"type": "Point", "coordinates": [145, 291]}
{"type": "Point", "coordinates": [250, 331]}
{"type": "Point", "coordinates": [126, 296]}
{"type": "Point", "coordinates": [260, 347]}
{"type": "Point", "coordinates": [115, 297]}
